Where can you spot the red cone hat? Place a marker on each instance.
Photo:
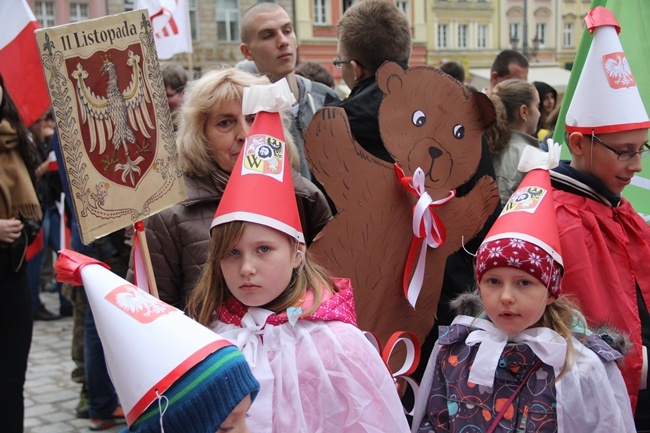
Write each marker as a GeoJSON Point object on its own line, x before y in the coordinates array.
{"type": "Point", "coordinates": [525, 235]}
{"type": "Point", "coordinates": [606, 98]}
{"type": "Point", "coordinates": [529, 215]}
{"type": "Point", "coordinates": [260, 189]}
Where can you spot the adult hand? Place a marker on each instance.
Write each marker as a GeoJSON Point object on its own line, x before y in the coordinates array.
{"type": "Point", "coordinates": [10, 230]}
{"type": "Point", "coordinates": [42, 168]}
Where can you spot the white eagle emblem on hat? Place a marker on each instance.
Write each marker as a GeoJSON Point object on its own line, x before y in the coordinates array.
{"type": "Point", "coordinates": [618, 70]}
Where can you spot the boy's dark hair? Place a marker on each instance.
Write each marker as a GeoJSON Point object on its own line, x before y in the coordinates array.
{"type": "Point", "coordinates": [373, 32]}
{"type": "Point", "coordinates": [504, 59]}
{"type": "Point", "coordinates": [454, 69]}
{"type": "Point", "coordinates": [174, 77]}
{"type": "Point", "coordinates": [316, 72]}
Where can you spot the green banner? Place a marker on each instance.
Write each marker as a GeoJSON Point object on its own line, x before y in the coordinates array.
{"type": "Point", "coordinates": [635, 39]}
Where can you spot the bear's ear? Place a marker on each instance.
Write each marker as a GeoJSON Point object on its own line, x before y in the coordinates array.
{"type": "Point", "coordinates": [390, 76]}
{"type": "Point", "coordinates": [487, 113]}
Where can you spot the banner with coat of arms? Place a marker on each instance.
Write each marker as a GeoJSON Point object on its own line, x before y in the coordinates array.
{"type": "Point", "coordinates": [113, 120]}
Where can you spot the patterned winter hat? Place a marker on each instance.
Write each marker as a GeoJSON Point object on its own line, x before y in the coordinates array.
{"type": "Point", "coordinates": [525, 236]}
{"type": "Point", "coordinates": [606, 98]}
{"type": "Point", "coordinates": [260, 188]}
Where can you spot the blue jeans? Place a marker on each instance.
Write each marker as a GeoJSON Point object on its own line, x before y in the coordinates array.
{"type": "Point", "coordinates": [51, 239]}
{"type": "Point", "coordinates": [102, 399]}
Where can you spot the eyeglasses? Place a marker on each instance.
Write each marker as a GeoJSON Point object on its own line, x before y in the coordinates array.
{"type": "Point", "coordinates": [338, 63]}
{"type": "Point", "coordinates": [623, 155]}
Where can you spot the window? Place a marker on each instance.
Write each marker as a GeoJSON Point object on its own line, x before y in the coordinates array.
{"type": "Point", "coordinates": [442, 35]}
{"type": "Point", "coordinates": [568, 35]}
{"type": "Point", "coordinates": [541, 34]}
{"type": "Point", "coordinates": [320, 12]}
{"type": "Point", "coordinates": [462, 36]}
{"type": "Point", "coordinates": [44, 12]}
{"type": "Point", "coordinates": [194, 19]}
{"type": "Point", "coordinates": [347, 4]}
{"type": "Point", "coordinates": [403, 6]}
{"type": "Point", "coordinates": [128, 5]}
{"type": "Point", "coordinates": [78, 12]}
{"type": "Point", "coordinates": [227, 20]}
{"type": "Point", "coordinates": [482, 36]}
{"type": "Point", "coordinates": [514, 35]}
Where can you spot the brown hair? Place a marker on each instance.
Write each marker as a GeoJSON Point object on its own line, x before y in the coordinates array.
{"type": "Point", "coordinates": [247, 16]}
{"type": "Point", "coordinates": [508, 96]}
{"type": "Point", "coordinates": [372, 32]}
{"type": "Point", "coordinates": [562, 317]}
{"type": "Point", "coordinates": [212, 291]}
{"type": "Point", "coordinates": [316, 72]}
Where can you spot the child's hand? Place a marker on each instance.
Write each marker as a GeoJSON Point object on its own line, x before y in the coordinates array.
{"type": "Point", "coordinates": [10, 230]}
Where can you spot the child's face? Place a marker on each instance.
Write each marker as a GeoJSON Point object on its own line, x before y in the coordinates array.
{"type": "Point", "coordinates": [513, 299]}
{"type": "Point", "coordinates": [258, 268]}
{"type": "Point", "coordinates": [599, 161]}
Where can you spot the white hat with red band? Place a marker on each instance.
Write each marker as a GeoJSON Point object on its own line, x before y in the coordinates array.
{"type": "Point", "coordinates": [606, 98]}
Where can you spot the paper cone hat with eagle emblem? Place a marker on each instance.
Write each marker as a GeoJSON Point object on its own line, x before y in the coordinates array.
{"type": "Point", "coordinates": [168, 370]}
{"type": "Point", "coordinates": [606, 98]}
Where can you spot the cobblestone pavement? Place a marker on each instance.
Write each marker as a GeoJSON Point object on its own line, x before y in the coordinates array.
{"type": "Point", "coordinates": [50, 395]}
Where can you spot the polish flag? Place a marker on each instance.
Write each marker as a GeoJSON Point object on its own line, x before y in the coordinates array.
{"type": "Point", "coordinates": [20, 61]}
{"type": "Point", "coordinates": [170, 20]}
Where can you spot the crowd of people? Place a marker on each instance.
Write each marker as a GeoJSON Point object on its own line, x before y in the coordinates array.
{"type": "Point", "coordinates": [563, 253]}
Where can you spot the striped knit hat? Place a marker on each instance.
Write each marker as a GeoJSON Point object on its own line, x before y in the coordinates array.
{"type": "Point", "coordinates": [160, 360]}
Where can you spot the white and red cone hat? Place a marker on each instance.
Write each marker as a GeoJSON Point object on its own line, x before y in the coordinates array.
{"type": "Point", "coordinates": [606, 98]}
{"type": "Point", "coordinates": [525, 235]}
{"type": "Point", "coordinates": [260, 189]}
{"type": "Point", "coordinates": [150, 346]}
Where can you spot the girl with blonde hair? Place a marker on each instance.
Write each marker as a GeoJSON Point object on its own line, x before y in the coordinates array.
{"type": "Point", "coordinates": [211, 133]}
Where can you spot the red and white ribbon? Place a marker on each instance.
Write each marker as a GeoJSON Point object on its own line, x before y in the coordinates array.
{"type": "Point", "coordinates": [411, 359]}
{"type": "Point", "coordinates": [427, 225]}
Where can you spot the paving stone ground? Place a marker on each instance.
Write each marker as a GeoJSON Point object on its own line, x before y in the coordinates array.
{"type": "Point", "coordinates": [50, 395]}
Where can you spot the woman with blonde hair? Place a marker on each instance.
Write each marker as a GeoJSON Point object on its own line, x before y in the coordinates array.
{"type": "Point", "coordinates": [517, 106]}
{"type": "Point", "coordinates": [294, 323]}
{"type": "Point", "coordinates": [211, 133]}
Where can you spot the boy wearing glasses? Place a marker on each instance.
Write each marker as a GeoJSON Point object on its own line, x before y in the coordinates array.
{"type": "Point", "coordinates": [370, 33]}
{"type": "Point", "coordinates": [608, 268]}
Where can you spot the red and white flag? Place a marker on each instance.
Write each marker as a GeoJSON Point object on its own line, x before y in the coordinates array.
{"type": "Point", "coordinates": [170, 20]}
{"type": "Point", "coordinates": [20, 61]}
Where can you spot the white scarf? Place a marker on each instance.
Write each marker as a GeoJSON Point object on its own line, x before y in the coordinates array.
{"type": "Point", "coordinates": [547, 344]}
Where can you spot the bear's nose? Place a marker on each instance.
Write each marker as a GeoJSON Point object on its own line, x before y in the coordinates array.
{"type": "Point", "coordinates": [434, 152]}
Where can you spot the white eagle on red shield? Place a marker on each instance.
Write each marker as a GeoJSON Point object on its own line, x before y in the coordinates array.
{"type": "Point", "coordinates": [121, 117]}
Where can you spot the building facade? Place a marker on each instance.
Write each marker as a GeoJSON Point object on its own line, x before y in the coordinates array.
{"type": "Point", "coordinates": [471, 32]}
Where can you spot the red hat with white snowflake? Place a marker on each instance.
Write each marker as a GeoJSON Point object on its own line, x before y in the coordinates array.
{"type": "Point", "coordinates": [260, 189]}
{"type": "Point", "coordinates": [606, 98]}
{"type": "Point", "coordinates": [525, 236]}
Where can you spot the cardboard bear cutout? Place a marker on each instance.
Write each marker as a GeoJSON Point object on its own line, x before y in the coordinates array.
{"type": "Point", "coordinates": [432, 127]}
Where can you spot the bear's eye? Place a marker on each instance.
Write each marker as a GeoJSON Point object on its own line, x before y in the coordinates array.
{"type": "Point", "coordinates": [459, 132]}
{"type": "Point", "coordinates": [419, 118]}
